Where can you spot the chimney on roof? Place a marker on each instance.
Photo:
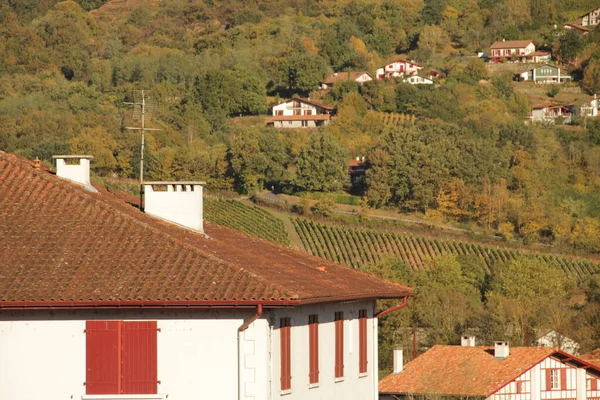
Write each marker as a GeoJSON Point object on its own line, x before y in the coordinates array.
{"type": "Point", "coordinates": [75, 169]}
{"type": "Point", "coordinates": [398, 361]}
{"type": "Point", "coordinates": [37, 163]}
{"type": "Point", "coordinates": [467, 341]}
{"type": "Point", "coordinates": [501, 350]}
{"type": "Point", "coordinates": [504, 40]}
{"type": "Point", "coordinates": [177, 202]}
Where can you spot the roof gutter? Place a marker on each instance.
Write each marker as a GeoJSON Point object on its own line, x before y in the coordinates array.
{"type": "Point", "coordinates": [240, 349]}
{"type": "Point", "coordinates": [126, 304]}
{"type": "Point", "coordinates": [394, 308]}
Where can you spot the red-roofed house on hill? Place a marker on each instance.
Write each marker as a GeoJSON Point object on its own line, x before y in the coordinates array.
{"type": "Point", "coordinates": [591, 18]}
{"type": "Point", "coordinates": [517, 50]}
{"type": "Point", "coordinates": [300, 113]}
{"type": "Point", "coordinates": [100, 300]}
{"type": "Point", "coordinates": [398, 69]}
{"type": "Point", "coordinates": [493, 373]}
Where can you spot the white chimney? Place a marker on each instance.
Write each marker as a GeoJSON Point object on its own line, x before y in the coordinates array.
{"type": "Point", "coordinates": [501, 350]}
{"type": "Point", "coordinates": [467, 341]}
{"type": "Point", "coordinates": [75, 169]}
{"type": "Point", "coordinates": [177, 202]}
{"type": "Point", "coordinates": [398, 361]}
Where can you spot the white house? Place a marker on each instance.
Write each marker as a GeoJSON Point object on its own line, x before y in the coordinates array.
{"type": "Point", "coordinates": [398, 68]}
{"type": "Point", "coordinates": [517, 50]}
{"type": "Point", "coordinates": [417, 80]}
{"type": "Point", "coordinates": [545, 74]}
{"type": "Point", "coordinates": [357, 76]}
{"type": "Point", "coordinates": [549, 113]}
{"type": "Point", "coordinates": [590, 108]}
{"type": "Point", "coordinates": [591, 18]}
{"type": "Point", "coordinates": [300, 113]}
{"type": "Point", "coordinates": [554, 339]}
{"type": "Point", "coordinates": [100, 300]}
{"type": "Point", "coordinates": [492, 373]}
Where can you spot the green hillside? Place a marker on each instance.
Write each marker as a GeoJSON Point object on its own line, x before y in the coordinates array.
{"type": "Point", "coordinates": [363, 247]}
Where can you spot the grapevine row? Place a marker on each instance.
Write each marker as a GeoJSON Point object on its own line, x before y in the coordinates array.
{"type": "Point", "coordinates": [360, 247]}
{"type": "Point", "coordinates": [246, 218]}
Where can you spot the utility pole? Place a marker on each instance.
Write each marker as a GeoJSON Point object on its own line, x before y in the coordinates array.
{"type": "Point", "coordinates": [143, 106]}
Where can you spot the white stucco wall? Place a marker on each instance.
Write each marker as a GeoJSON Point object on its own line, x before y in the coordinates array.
{"type": "Point", "coordinates": [180, 203]}
{"type": "Point", "coordinates": [42, 355]}
{"type": "Point", "coordinates": [288, 108]}
{"type": "Point", "coordinates": [78, 169]}
{"type": "Point", "coordinates": [353, 385]}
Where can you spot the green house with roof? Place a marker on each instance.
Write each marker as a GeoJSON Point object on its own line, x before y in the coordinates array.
{"type": "Point", "coordinates": [545, 74]}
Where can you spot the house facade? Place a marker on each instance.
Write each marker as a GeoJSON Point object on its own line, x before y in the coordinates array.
{"type": "Point", "coordinates": [418, 80]}
{"type": "Point", "coordinates": [591, 108]}
{"type": "Point", "coordinates": [398, 68]}
{"type": "Point", "coordinates": [103, 301]}
{"type": "Point", "coordinates": [300, 113]}
{"type": "Point", "coordinates": [545, 74]}
{"type": "Point", "coordinates": [494, 373]}
{"type": "Point", "coordinates": [549, 113]}
{"type": "Point", "coordinates": [554, 339]}
{"type": "Point", "coordinates": [359, 77]}
{"type": "Point", "coordinates": [591, 18]}
{"type": "Point", "coordinates": [517, 51]}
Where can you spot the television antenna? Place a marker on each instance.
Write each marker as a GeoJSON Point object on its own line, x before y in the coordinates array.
{"type": "Point", "coordinates": [143, 108]}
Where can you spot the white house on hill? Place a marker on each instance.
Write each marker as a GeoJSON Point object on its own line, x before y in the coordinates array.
{"type": "Point", "coordinates": [102, 301]}
{"type": "Point", "coordinates": [417, 80]}
{"type": "Point", "coordinates": [493, 373]}
{"type": "Point", "coordinates": [300, 113]}
{"type": "Point", "coordinates": [591, 18]}
{"type": "Point", "coordinates": [398, 68]}
{"type": "Point", "coordinates": [517, 50]}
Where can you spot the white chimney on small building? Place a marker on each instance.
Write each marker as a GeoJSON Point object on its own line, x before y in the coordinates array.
{"type": "Point", "coordinates": [467, 341]}
{"type": "Point", "coordinates": [398, 361]}
{"type": "Point", "coordinates": [75, 169]}
{"type": "Point", "coordinates": [177, 202]}
{"type": "Point", "coordinates": [501, 350]}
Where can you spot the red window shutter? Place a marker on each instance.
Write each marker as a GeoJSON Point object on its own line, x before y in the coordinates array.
{"type": "Point", "coordinates": [286, 361]}
{"type": "Point", "coordinates": [339, 344]}
{"type": "Point", "coordinates": [594, 384]}
{"type": "Point", "coordinates": [102, 357]}
{"type": "Point", "coordinates": [548, 379]}
{"type": "Point", "coordinates": [362, 341]}
{"type": "Point", "coordinates": [139, 367]}
{"type": "Point", "coordinates": [313, 344]}
{"type": "Point", "coordinates": [563, 378]}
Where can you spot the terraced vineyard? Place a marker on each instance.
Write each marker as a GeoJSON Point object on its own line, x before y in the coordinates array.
{"type": "Point", "coordinates": [358, 247]}
{"type": "Point", "coordinates": [392, 119]}
{"type": "Point", "coordinates": [245, 218]}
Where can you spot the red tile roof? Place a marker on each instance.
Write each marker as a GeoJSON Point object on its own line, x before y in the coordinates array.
{"type": "Point", "coordinates": [62, 246]}
{"type": "Point", "coordinates": [345, 76]}
{"type": "Point", "coordinates": [314, 103]}
{"type": "Point", "coordinates": [593, 357]}
{"type": "Point", "coordinates": [575, 26]}
{"type": "Point", "coordinates": [316, 117]}
{"type": "Point", "coordinates": [472, 371]}
{"type": "Point", "coordinates": [511, 44]}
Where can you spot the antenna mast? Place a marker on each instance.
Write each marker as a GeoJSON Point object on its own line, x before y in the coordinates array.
{"type": "Point", "coordinates": [143, 106]}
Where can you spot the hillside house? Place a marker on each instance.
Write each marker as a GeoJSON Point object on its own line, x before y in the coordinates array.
{"type": "Point", "coordinates": [397, 69]}
{"type": "Point", "coordinates": [517, 51]}
{"type": "Point", "coordinates": [545, 74]}
{"type": "Point", "coordinates": [359, 77]}
{"type": "Point", "coordinates": [103, 301]}
{"type": "Point", "coordinates": [591, 18]}
{"type": "Point", "coordinates": [357, 169]}
{"type": "Point", "coordinates": [492, 373]}
{"type": "Point", "coordinates": [417, 80]}
{"type": "Point", "coordinates": [549, 113]}
{"type": "Point", "coordinates": [554, 339]}
{"type": "Point", "coordinates": [300, 113]}
{"type": "Point", "coordinates": [591, 107]}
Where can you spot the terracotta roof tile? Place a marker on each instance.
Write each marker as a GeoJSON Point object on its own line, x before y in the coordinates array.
{"type": "Point", "coordinates": [510, 44]}
{"type": "Point", "coordinates": [458, 370]}
{"type": "Point", "coordinates": [61, 245]}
